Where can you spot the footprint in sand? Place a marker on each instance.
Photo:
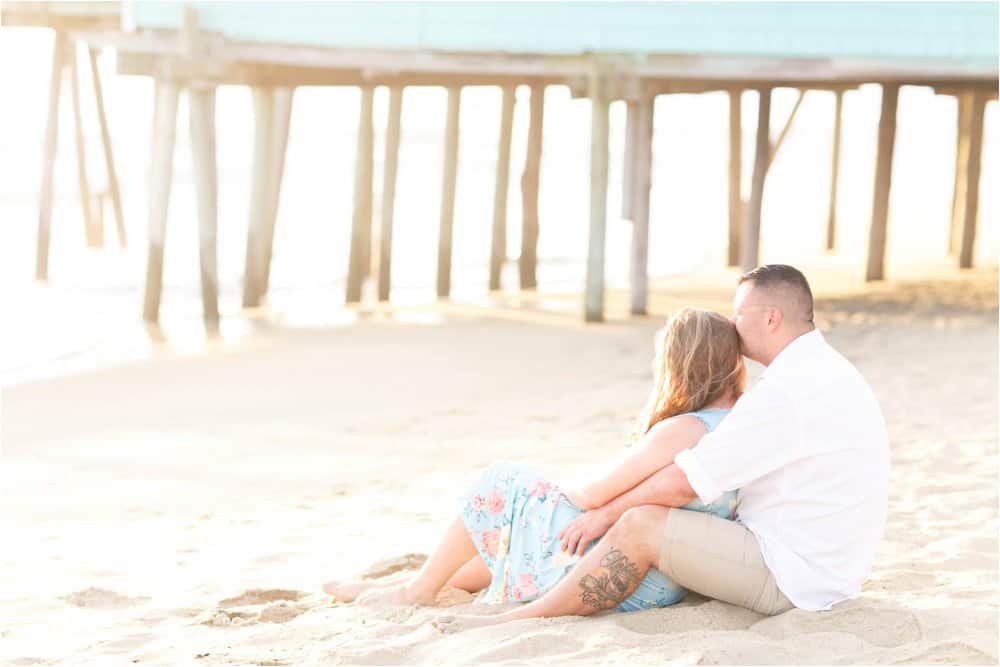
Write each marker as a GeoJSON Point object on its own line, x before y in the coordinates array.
{"type": "Point", "coordinates": [385, 568]}
{"type": "Point", "coordinates": [102, 598]}
{"type": "Point", "coordinates": [258, 606]}
{"type": "Point", "coordinates": [261, 596]}
{"type": "Point", "coordinates": [227, 617]}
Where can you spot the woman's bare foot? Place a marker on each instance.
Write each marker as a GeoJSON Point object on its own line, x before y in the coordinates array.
{"type": "Point", "coordinates": [449, 623]}
{"type": "Point", "coordinates": [348, 591]}
{"type": "Point", "coordinates": [401, 595]}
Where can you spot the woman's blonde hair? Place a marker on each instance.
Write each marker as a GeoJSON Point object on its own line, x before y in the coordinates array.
{"type": "Point", "coordinates": [697, 361]}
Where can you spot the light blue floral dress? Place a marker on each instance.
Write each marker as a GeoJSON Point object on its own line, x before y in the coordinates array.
{"type": "Point", "coordinates": [514, 517]}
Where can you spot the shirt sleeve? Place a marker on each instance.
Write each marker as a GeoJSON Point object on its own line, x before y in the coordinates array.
{"type": "Point", "coordinates": [760, 435]}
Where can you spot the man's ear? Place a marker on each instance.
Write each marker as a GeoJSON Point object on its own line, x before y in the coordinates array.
{"type": "Point", "coordinates": [774, 317]}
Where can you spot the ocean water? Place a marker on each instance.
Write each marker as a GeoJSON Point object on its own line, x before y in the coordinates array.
{"type": "Point", "coordinates": [90, 310]}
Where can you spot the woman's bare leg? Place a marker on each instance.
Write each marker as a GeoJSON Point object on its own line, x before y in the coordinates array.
{"type": "Point", "coordinates": [472, 577]}
{"type": "Point", "coordinates": [608, 574]}
{"type": "Point", "coordinates": [347, 591]}
{"type": "Point", "coordinates": [454, 551]}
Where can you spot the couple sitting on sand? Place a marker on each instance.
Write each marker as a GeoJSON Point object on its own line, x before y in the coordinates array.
{"type": "Point", "coordinates": [770, 500]}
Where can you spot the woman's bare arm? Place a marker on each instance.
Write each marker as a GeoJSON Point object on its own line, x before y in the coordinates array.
{"type": "Point", "coordinates": [653, 452]}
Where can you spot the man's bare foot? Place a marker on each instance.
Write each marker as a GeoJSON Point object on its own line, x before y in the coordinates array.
{"type": "Point", "coordinates": [401, 595]}
{"type": "Point", "coordinates": [449, 623]}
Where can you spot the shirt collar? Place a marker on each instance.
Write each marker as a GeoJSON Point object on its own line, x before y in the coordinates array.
{"type": "Point", "coordinates": [792, 353]}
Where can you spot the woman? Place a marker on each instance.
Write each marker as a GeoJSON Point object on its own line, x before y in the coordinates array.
{"type": "Point", "coordinates": [507, 541]}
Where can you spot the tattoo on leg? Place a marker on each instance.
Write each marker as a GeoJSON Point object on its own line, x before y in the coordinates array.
{"type": "Point", "coordinates": [612, 584]}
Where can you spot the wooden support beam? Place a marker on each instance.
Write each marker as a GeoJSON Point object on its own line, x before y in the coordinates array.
{"type": "Point", "coordinates": [831, 221]}
{"type": "Point", "coordinates": [676, 86]}
{"type": "Point", "coordinates": [642, 171]}
{"type": "Point", "coordinates": [283, 97]}
{"type": "Point", "coordinates": [751, 230]}
{"type": "Point", "coordinates": [152, 131]}
{"type": "Point", "coordinates": [59, 55]}
{"type": "Point", "coordinates": [109, 159]}
{"type": "Point", "coordinates": [201, 100]}
{"type": "Point", "coordinates": [498, 241]}
{"type": "Point", "coordinates": [93, 227]}
{"type": "Point", "coordinates": [972, 171]}
{"type": "Point", "coordinates": [448, 183]}
{"type": "Point", "coordinates": [628, 163]}
{"type": "Point", "coordinates": [164, 136]}
{"type": "Point", "coordinates": [98, 16]}
{"type": "Point", "coordinates": [963, 126]}
{"type": "Point", "coordinates": [233, 68]}
{"type": "Point", "coordinates": [260, 190]}
{"type": "Point", "coordinates": [594, 293]}
{"type": "Point", "coordinates": [528, 261]}
{"type": "Point", "coordinates": [883, 181]}
{"type": "Point", "coordinates": [361, 225]}
{"type": "Point", "coordinates": [392, 132]}
{"type": "Point", "coordinates": [985, 88]}
{"type": "Point", "coordinates": [736, 203]}
{"type": "Point", "coordinates": [776, 145]}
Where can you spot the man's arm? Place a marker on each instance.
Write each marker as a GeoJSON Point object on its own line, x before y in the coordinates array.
{"type": "Point", "coordinates": [668, 487]}
{"type": "Point", "coordinates": [653, 452]}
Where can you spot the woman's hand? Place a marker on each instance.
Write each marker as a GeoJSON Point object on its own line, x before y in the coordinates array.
{"type": "Point", "coordinates": [582, 530]}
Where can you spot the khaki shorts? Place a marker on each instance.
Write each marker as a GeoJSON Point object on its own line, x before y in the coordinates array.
{"type": "Point", "coordinates": [719, 559]}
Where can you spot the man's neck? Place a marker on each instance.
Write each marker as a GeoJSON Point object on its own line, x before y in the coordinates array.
{"type": "Point", "coordinates": [785, 342]}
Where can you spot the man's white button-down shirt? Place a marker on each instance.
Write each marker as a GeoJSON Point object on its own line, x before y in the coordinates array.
{"type": "Point", "coordinates": [807, 450]}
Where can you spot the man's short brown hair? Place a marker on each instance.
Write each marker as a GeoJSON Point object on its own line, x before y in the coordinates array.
{"type": "Point", "coordinates": [784, 278]}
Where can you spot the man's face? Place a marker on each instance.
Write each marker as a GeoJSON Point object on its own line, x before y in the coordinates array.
{"type": "Point", "coordinates": [750, 315]}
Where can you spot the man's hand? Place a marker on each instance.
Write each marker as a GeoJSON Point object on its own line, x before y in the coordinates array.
{"type": "Point", "coordinates": [582, 530]}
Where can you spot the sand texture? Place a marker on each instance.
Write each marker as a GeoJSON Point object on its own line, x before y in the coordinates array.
{"type": "Point", "coordinates": [185, 509]}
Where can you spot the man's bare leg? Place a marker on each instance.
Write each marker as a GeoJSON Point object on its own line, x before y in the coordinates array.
{"type": "Point", "coordinates": [454, 551]}
{"type": "Point", "coordinates": [602, 579]}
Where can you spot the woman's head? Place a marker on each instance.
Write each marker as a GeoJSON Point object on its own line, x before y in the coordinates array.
{"type": "Point", "coordinates": [698, 362]}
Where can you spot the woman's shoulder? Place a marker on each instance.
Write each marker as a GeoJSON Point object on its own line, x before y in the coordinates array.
{"type": "Point", "coordinates": [687, 424]}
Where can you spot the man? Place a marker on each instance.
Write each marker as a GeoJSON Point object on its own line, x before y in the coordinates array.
{"type": "Point", "coordinates": [807, 450]}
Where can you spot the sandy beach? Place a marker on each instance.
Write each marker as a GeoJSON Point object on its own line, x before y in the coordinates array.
{"type": "Point", "coordinates": [186, 508]}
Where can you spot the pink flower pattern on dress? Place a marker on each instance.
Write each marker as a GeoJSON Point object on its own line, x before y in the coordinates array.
{"type": "Point", "coordinates": [478, 502]}
{"type": "Point", "coordinates": [494, 504]}
{"type": "Point", "coordinates": [491, 541]}
{"type": "Point", "coordinates": [539, 488]}
{"type": "Point", "coordinates": [526, 587]}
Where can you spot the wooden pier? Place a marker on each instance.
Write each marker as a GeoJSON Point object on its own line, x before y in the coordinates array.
{"type": "Point", "coordinates": [65, 20]}
{"type": "Point", "coordinates": [197, 55]}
